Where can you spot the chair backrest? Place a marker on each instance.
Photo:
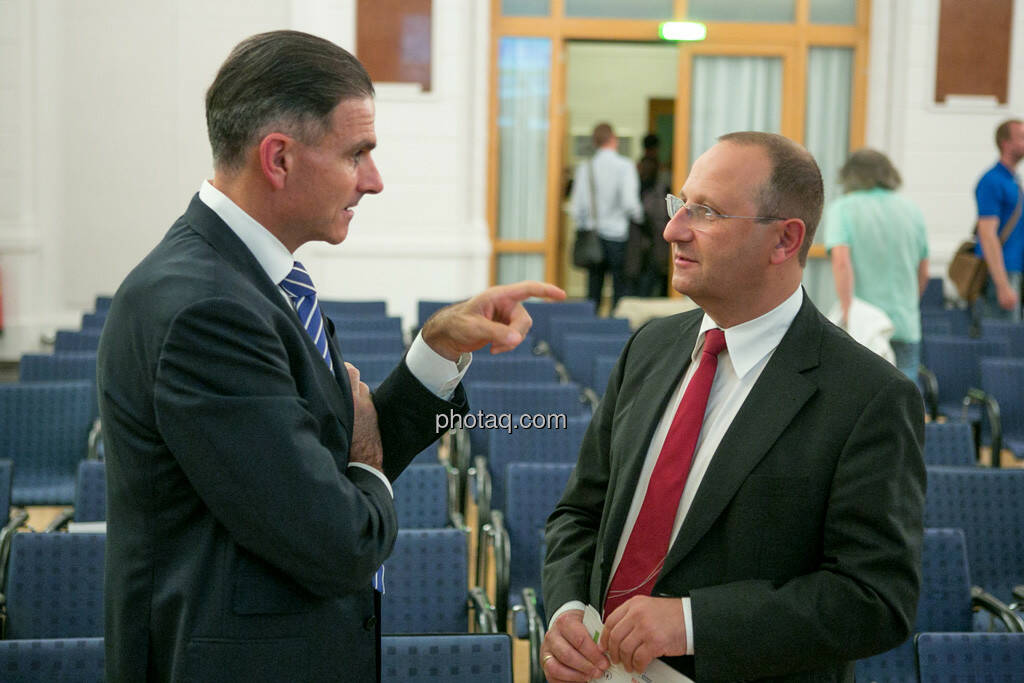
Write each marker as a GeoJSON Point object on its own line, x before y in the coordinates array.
{"type": "Point", "coordinates": [335, 310]}
{"type": "Point", "coordinates": [6, 475]}
{"type": "Point", "coordinates": [94, 321]}
{"type": "Point", "coordinates": [55, 585]}
{"type": "Point", "coordinates": [353, 324]}
{"type": "Point", "coordinates": [542, 311]}
{"type": "Point", "coordinates": [511, 368]}
{"type": "Point", "coordinates": [1012, 331]}
{"type": "Point", "coordinates": [55, 660]}
{"type": "Point", "coordinates": [425, 309]}
{"type": "Point", "coordinates": [513, 400]}
{"type": "Point", "coordinates": [77, 340]}
{"type": "Point", "coordinates": [603, 368]}
{"type": "Point", "coordinates": [533, 490]}
{"type": "Point", "coordinates": [933, 296]}
{"type": "Point", "coordinates": [581, 350]}
{"type": "Point", "coordinates": [560, 445]}
{"type": "Point", "coordinates": [428, 456]}
{"type": "Point", "coordinates": [944, 603]}
{"type": "Point", "coordinates": [949, 443]}
{"type": "Point", "coordinates": [91, 491]}
{"type": "Point", "coordinates": [49, 367]}
{"type": "Point", "coordinates": [1003, 378]}
{"type": "Point", "coordinates": [426, 583]}
{"type": "Point", "coordinates": [956, 362]}
{"type": "Point", "coordinates": [958, 319]}
{"type": "Point", "coordinates": [421, 497]}
{"type": "Point", "coordinates": [103, 303]}
{"type": "Point", "coordinates": [46, 433]}
{"type": "Point", "coordinates": [986, 504]}
{"type": "Point", "coordinates": [466, 658]}
{"type": "Point", "coordinates": [366, 343]}
{"type": "Point", "coordinates": [373, 367]}
{"type": "Point", "coordinates": [958, 657]}
{"type": "Point", "coordinates": [562, 327]}
{"type": "Point", "coordinates": [936, 326]}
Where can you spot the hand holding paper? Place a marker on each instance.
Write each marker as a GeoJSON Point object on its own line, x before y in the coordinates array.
{"type": "Point", "coordinates": [624, 635]}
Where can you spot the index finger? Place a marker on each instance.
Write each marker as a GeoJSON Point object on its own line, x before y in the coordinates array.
{"type": "Point", "coordinates": [527, 288]}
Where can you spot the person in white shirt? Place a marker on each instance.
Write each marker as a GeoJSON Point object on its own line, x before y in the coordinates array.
{"type": "Point", "coordinates": [605, 197]}
{"type": "Point", "coordinates": [748, 499]}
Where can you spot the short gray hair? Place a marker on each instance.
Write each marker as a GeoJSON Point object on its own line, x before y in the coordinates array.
{"type": "Point", "coordinates": [282, 80]}
{"type": "Point", "coordinates": [867, 169]}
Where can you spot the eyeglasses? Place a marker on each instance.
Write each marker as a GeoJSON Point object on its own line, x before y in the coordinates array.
{"type": "Point", "coordinates": [704, 216]}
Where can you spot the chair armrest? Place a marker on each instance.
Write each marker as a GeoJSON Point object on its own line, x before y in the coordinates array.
{"type": "Point", "coordinates": [482, 487]}
{"type": "Point", "coordinates": [990, 603]}
{"type": "Point", "coordinates": [1018, 599]}
{"type": "Point", "coordinates": [95, 437]}
{"type": "Point", "coordinates": [455, 515]}
{"type": "Point", "coordinates": [483, 611]}
{"type": "Point", "coordinates": [590, 397]}
{"type": "Point", "coordinates": [497, 538]}
{"type": "Point", "coordinates": [60, 522]}
{"type": "Point", "coordinates": [994, 421]}
{"type": "Point", "coordinates": [459, 459]}
{"type": "Point", "coordinates": [535, 627]}
{"type": "Point", "coordinates": [6, 535]}
{"type": "Point", "coordinates": [931, 390]}
{"type": "Point", "coordinates": [562, 372]}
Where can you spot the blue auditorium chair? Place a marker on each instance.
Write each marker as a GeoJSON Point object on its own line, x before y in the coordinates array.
{"type": "Point", "coordinates": [583, 348]}
{"type": "Point", "coordinates": [54, 586]}
{"type": "Point", "coordinates": [373, 368]}
{"type": "Point", "coordinates": [958, 319]}
{"type": "Point", "coordinates": [367, 343]}
{"type": "Point", "coordinates": [560, 328]}
{"type": "Point", "coordinates": [946, 603]}
{"type": "Point", "coordinates": [968, 657]}
{"type": "Point", "coordinates": [1003, 380]}
{"type": "Point", "coordinates": [44, 429]}
{"type": "Point", "coordinates": [53, 660]}
{"type": "Point", "coordinates": [933, 296]}
{"type": "Point", "coordinates": [77, 340]}
{"type": "Point", "coordinates": [50, 367]}
{"type": "Point", "coordinates": [603, 368]}
{"type": "Point", "coordinates": [986, 504]}
{"type": "Point", "coordinates": [335, 310]}
{"type": "Point", "coordinates": [542, 311]}
{"type": "Point", "coordinates": [426, 586]}
{"type": "Point", "coordinates": [368, 324]}
{"type": "Point", "coordinates": [507, 367]}
{"type": "Point", "coordinates": [1012, 331]}
{"type": "Point", "coordinates": [465, 658]}
{"type": "Point", "coordinates": [94, 321]}
{"type": "Point", "coordinates": [90, 504]}
{"type": "Point", "coordinates": [426, 308]}
{"type": "Point", "coordinates": [421, 497]}
{"type": "Point", "coordinates": [517, 537]}
{"type": "Point", "coordinates": [103, 303]}
{"type": "Point", "coordinates": [955, 361]}
{"type": "Point", "coordinates": [949, 443]}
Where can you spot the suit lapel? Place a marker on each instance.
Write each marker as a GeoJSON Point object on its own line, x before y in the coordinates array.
{"type": "Point", "coordinates": [775, 399]}
{"type": "Point", "coordinates": [224, 240]}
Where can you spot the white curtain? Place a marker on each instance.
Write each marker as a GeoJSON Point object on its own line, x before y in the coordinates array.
{"type": "Point", "coordinates": [524, 75]}
{"type": "Point", "coordinates": [733, 93]}
{"type": "Point", "coordinates": [827, 132]}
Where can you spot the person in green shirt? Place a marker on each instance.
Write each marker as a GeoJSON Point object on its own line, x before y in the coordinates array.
{"type": "Point", "coordinates": [879, 249]}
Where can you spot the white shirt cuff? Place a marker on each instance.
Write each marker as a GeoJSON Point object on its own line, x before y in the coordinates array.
{"type": "Point", "coordinates": [571, 605]}
{"type": "Point", "coordinates": [380, 475]}
{"type": "Point", "coordinates": [433, 370]}
{"type": "Point", "coordinates": [688, 623]}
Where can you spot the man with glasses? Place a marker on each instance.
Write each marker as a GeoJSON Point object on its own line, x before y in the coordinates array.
{"type": "Point", "coordinates": [749, 496]}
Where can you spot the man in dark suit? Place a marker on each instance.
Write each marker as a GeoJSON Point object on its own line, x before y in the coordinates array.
{"type": "Point", "coordinates": [784, 542]}
{"type": "Point", "coordinates": [249, 470]}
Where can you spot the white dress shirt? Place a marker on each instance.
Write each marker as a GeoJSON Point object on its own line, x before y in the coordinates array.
{"type": "Point", "coordinates": [436, 373]}
{"type": "Point", "coordinates": [749, 347]}
{"type": "Point", "coordinates": [617, 200]}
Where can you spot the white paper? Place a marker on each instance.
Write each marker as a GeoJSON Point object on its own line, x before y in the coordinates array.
{"type": "Point", "coordinates": [657, 671]}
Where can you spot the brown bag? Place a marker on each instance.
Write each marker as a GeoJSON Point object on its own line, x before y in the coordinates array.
{"type": "Point", "coordinates": [967, 270]}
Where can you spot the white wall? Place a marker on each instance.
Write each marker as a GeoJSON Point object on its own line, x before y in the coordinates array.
{"type": "Point", "coordinates": [102, 123]}
{"type": "Point", "coordinates": [940, 149]}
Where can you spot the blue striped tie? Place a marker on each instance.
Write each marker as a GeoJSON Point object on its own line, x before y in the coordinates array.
{"type": "Point", "coordinates": [299, 287]}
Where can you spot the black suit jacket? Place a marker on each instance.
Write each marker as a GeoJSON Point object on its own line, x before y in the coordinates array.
{"type": "Point", "coordinates": [800, 551]}
{"type": "Point", "coordinates": [240, 546]}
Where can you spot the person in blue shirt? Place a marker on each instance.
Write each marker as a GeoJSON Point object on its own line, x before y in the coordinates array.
{"type": "Point", "coordinates": [997, 195]}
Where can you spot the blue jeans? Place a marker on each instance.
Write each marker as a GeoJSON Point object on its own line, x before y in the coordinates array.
{"type": "Point", "coordinates": [614, 263]}
{"type": "Point", "coordinates": [987, 306]}
{"type": "Point", "coordinates": [908, 357]}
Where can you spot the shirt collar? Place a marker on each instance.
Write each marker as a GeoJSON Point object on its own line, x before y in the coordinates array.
{"type": "Point", "coordinates": [272, 255]}
{"type": "Point", "coordinates": [748, 343]}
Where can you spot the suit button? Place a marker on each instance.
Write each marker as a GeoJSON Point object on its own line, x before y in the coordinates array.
{"type": "Point", "coordinates": [370, 623]}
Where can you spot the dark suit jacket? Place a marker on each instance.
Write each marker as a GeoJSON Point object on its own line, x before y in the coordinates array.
{"type": "Point", "coordinates": [801, 549]}
{"type": "Point", "coordinates": [240, 546]}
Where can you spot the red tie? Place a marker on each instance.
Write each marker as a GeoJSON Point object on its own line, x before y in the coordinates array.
{"type": "Point", "coordinates": [648, 543]}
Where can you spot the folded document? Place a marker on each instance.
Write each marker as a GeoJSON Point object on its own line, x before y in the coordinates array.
{"type": "Point", "coordinates": [657, 671]}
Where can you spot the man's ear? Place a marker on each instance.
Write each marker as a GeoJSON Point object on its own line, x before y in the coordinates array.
{"type": "Point", "coordinates": [275, 156]}
{"type": "Point", "coordinates": [790, 239]}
